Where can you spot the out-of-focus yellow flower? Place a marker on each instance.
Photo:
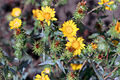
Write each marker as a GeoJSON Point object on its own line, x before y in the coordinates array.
{"type": "Point", "coordinates": [94, 46]}
{"type": "Point", "coordinates": [35, 12]}
{"type": "Point", "coordinates": [117, 27]}
{"type": "Point", "coordinates": [16, 12]}
{"type": "Point", "coordinates": [38, 14]}
{"type": "Point", "coordinates": [37, 77]}
{"type": "Point", "coordinates": [107, 4]}
{"type": "Point", "coordinates": [15, 24]}
{"type": "Point", "coordinates": [48, 14]}
{"type": "Point", "coordinates": [42, 77]}
{"type": "Point", "coordinates": [69, 29]}
{"type": "Point", "coordinates": [115, 42]}
{"type": "Point", "coordinates": [76, 66]}
{"type": "Point", "coordinates": [47, 70]}
{"type": "Point", "coordinates": [76, 44]}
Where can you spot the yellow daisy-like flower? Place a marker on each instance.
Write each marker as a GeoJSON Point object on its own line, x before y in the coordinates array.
{"type": "Point", "coordinates": [69, 29]}
{"type": "Point", "coordinates": [15, 24]}
{"type": "Point", "coordinates": [107, 3]}
{"type": "Point", "coordinates": [94, 46]}
{"type": "Point", "coordinates": [48, 14]}
{"type": "Point", "coordinates": [35, 12]}
{"type": "Point", "coordinates": [42, 77]}
{"type": "Point", "coordinates": [16, 12]}
{"type": "Point", "coordinates": [38, 14]}
{"type": "Point", "coordinates": [47, 70]}
{"type": "Point", "coordinates": [76, 44]}
{"type": "Point", "coordinates": [75, 66]}
{"type": "Point", "coordinates": [117, 27]}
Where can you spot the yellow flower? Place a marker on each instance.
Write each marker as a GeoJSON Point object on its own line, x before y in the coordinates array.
{"type": "Point", "coordinates": [16, 12]}
{"type": "Point", "coordinates": [94, 46]}
{"type": "Point", "coordinates": [76, 44]}
{"type": "Point", "coordinates": [69, 29]}
{"type": "Point", "coordinates": [37, 77]}
{"type": "Point", "coordinates": [117, 27]}
{"type": "Point", "coordinates": [107, 3]}
{"type": "Point", "coordinates": [15, 24]}
{"type": "Point", "coordinates": [47, 70]}
{"type": "Point", "coordinates": [48, 14]}
{"type": "Point", "coordinates": [42, 77]}
{"type": "Point", "coordinates": [35, 12]}
{"type": "Point", "coordinates": [76, 66]}
{"type": "Point", "coordinates": [38, 14]}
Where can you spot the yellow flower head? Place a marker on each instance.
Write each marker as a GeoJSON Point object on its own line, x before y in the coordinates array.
{"type": "Point", "coordinates": [94, 46]}
{"type": "Point", "coordinates": [76, 66]}
{"type": "Point", "coordinates": [47, 70]}
{"type": "Point", "coordinates": [106, 3]}
{"type": "Point", "coordinates": [42, 77]}
{"type": "Point", "coordinates": [76, 44]}
{"type": "Point", "coordinates": [69, 28]}
{"type": "Point", "coordinates": [38, 14]}
{"type": "Point", "coordinates": [117, 27]}
{"type": "Point", "coordinates": [15, 24]}
{"type": "Point", "coordinates": [35, 12]}
{"type": "Point", "coordinates": [16, 12]}
{"type": "Point", "coordinates": [48, 14]}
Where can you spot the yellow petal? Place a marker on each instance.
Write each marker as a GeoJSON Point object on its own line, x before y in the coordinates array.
{"type": "Point", "coordinates": [54, 19]}
{"type": "Point", "coordinates": [38, 76]}
{"type": "Point", "coordinates": [100, 3]}
{"type": "Point", "coordinates": [108, 8]}
{"type": "Point", "coordinates": [112, 2]}
{"type": "Point", "coordinates": [48, 22]}
{"type": "Point", "coordinates": [71, 39]}
{"type": "Point", "coordinates": [11, 27]}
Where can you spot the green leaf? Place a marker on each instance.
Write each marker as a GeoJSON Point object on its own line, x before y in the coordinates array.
{"type": "Point", "coordinates": [60, 66]}
{"type": "Point", "coordinates": [49, 62]}
{"type": "Point", "coordinates": [93, 35]}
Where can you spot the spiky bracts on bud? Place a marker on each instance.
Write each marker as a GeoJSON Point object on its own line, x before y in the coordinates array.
{"type": "Point", "coordinates": [20, 40]}
{"type": "Point", "coordinates": [72, 76]}
{"type": "Point", "coordinates": [38, 48]}
{"type": "Point", "coordinates": [80, 10]}
{"type": "Point", "coordinates": [1, 54]}
{"type": "Point", "coordinates": [66, 55]}
{"type": "Point", "coordinates": [55, 47]}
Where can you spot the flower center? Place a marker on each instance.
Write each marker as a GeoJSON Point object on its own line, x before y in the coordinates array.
{"type": "Point", "coordinates": [75, 44]}
{"type": "Point", "coordinates": [16, 24]}
{"type": "Point", "coordinates": [47, 16]}
{"type": "Point", "coordinates": [69, 29]}
{"type": "Point", "coordinates": [17, 13]}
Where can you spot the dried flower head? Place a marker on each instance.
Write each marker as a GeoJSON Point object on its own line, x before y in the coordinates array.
{"type": "Point", "coordinates": [117, 27]}
{"type": "Point", "coordinates": [94, 46]}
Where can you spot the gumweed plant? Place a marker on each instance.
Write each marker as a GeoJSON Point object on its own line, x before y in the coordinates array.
{"type": "Point", "coordinates": [62, 53]}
